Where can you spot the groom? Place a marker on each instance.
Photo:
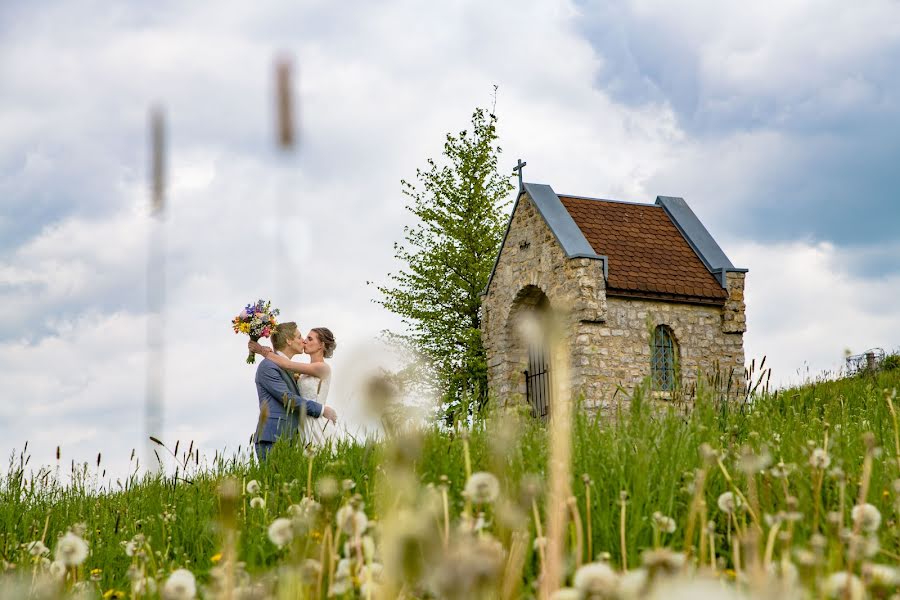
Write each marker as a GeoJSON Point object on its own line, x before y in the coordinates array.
{"type": "Point", "coordinates": [280, 404]}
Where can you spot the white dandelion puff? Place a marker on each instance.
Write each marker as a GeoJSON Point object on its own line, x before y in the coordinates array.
{"type": "Point", "coordinates": [57, 569]}
{"type": "Point", "coordinates": [596, 580]}
{"type": "Point", "coordinates": [842, 585]}
{"type": "Point", "coordinates": [143, 586]}
{"type": "Point", "coordinates": [867, 516]}
{"type": "Point", "coordinates": [819, 459]}
{"type": "Point", "coordinates": [281, 532]}
{"type": "Point", "coordinates": [633, 584]}
{"type": "Point", "coordinates": [180, 585]}
{"type": "Point", "coordinates": [881, 575]}
{"type": "Point", "coordinates": [566, 594]}
{"type": "Point", "coordinates": [482, 487]}
{"type": "Point", "coordinates": [729, 503]}
{"type": "Point", "coordinates": [663, 523]}
{"type": "Point", "coordinates": [253, 487]}
{"type": "Point", "coordinates": [37, 548]}
{"type": "Point", "coordinates": [71, 550]}
{"type": "Point", "coordinates": [350, 520]}
{"type": "Point", "coordinates": [257, 502]}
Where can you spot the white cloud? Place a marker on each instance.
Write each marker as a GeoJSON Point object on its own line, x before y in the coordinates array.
{"type": "Point", "coordinates": [378, 86]}
{"type": "Point", "coordinates": [806, 305]}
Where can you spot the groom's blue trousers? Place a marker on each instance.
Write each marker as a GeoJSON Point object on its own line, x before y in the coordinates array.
{"type": "Point", "coordinates": [262, 450]}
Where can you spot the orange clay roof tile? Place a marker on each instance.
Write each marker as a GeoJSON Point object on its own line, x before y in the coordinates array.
{"type": "Point", "coordinates": [647, 254]}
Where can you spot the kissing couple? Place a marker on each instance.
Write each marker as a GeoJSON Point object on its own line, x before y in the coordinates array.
{"type": "Point", "coordinates": [292, 394]}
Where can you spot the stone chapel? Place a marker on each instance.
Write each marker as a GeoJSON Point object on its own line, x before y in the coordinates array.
{"type": "Point", "coordinates": [645, 290]}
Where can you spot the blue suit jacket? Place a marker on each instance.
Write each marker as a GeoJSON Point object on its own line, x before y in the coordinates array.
{"type": "Point", "coordinates": [278, 391]}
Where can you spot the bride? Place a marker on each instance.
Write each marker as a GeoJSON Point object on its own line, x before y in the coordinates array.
{"type": "Point", "coordinates": [315, 377]}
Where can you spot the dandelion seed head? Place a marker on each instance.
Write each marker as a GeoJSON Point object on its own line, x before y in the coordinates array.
{"type": "Point", "coordinates": [327, 487]}
{"type": "Point", "coordinates": [253, 487]}
{"type": "Point", "coordinates": [281, 532]}
{"type": "Point", "coordinates": [57, 569]}
{"type": "Point", "coordinates": [71, 550]}
{"type": "Point", "coordinates": [663, 561]}
{"type": "Point", "coordinates": [482, 488]}
{"type": "Point", "coordinates": [883, 576]}
{"type": "Point", "coordinates": [351, 521]}
{"type": "Point", "coordinates": [143, 586]}
{"type": "Point", "coordinates": [819, 458]}
{"type": "Point", "coordinates": [181, 585]}
{"type": "Point", "coordinates": [633, 584]}
{"type": "Point", "coordinates": [842, 585]}
{"type": "Point", "coordinates": [728, 503]}
{"type": "Point", "coordinates": [566, 594]}
{"type": "Point", "coordinates": [663, 523]}
{"type": "Point", "coordinates": [867, 517]}
{"type": "Point", "coordinates": [751, 462]}
{"type": "Point", "coordinates": [257, 502]}
{"type": "Point", "coordinates": [37, 548]}
{"type": "Point", "coordinates": [782, 470]}
{"type": "Point", "coordinates": [596, 580]}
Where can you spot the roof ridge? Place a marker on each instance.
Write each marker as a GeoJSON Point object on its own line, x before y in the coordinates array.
{"type": "Point", "coordinates": [629, 202]}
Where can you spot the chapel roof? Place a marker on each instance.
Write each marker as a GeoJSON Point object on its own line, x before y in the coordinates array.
{"type": "Point", "coordinates": [657, 251]}
{"type": "Point", "coordinates": [646, 252]}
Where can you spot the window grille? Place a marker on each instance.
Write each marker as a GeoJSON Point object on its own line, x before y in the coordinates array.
{"type": "Point", "coordinates": [662, 362]}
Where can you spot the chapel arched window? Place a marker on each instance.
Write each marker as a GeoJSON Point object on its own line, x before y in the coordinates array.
{"type": "Point", "coordinates": [663, 367]}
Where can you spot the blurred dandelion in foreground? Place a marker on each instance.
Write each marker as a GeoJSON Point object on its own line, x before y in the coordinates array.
{"type": "Point", "coordinates": [845, 586]}
{"type": "Point", "coordinates": [881, 576]}
{"type": "Point", "coordinates": [729, 503]}
{"type": "Point", "coordinates": [71, 550]}
{"type": "Point", "coordinates": [281, 532]}
{"type": "Point", "coordinates": [663, 523]}
{"type": "Point", "coordinates": [37, 548]}
{"type": "Point", "coordinates": [596, 580]}
{"type": "Point", "coordinates": [482, 488]}
{"type": "Point", "coordinates": [327, 488]}
{"type": "Point", "coordinates": [819, 459]}
{"type": "Point", "coordinates": [350, 520]}
{"type": "Point", "coordinates": [57, 569]}
{"type": "Point", "coordinates": [867, 517]}
{"type": "Point", "coordinates": [180, 585]}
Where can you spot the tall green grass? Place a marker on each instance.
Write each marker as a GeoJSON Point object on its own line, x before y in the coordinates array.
{"type": "Point", "coordinates": [644, 447]}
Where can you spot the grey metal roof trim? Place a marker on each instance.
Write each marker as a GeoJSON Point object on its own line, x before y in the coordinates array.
{"type": "Point", "coordinates": [560, 222]}
{"type": "Point", "coordinates": [698, 237]}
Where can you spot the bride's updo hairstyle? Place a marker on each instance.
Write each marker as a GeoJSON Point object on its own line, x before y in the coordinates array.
{"type": "Point", "coordinates": [327, 339]}
{"type": "Point", "coordinates": [283, 334]}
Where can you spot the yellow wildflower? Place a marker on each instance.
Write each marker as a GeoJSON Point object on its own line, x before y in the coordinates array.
{"type": "Point", "coordinates": [216, 557]}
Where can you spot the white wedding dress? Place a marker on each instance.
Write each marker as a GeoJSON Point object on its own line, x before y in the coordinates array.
{"type": "Point", "coordinates": [315, 431]}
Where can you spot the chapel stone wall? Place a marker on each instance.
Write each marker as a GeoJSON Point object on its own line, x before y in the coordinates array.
{"type": "Point", "coordinates": [617, 352]}
{"type": "Point", "coordinates": [533, 264]}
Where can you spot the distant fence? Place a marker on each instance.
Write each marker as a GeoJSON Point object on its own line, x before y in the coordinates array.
{"type": "Point", "coordinates": [867, 361]}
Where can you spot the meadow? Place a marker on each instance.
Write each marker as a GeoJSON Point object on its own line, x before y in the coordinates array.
{"type": "Point", "coordinates": [795, 493]}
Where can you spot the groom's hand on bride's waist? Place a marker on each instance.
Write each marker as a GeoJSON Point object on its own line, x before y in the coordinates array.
{"type": "Point", "coordinates": [329, 414]}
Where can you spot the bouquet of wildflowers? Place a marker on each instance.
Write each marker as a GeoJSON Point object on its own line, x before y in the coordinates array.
{"type": "Point", "coordinates": [257, 321]}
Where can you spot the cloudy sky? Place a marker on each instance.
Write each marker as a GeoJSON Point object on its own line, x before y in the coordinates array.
{"type": "Point", "coordinates": [779, 122]}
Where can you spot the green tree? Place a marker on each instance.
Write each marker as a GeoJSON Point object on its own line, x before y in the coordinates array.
{"type": "Point", "coordinates": [449, 253]}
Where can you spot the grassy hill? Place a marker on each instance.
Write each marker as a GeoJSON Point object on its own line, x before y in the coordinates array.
{"type": "Point", "coordinates": [391, 518]}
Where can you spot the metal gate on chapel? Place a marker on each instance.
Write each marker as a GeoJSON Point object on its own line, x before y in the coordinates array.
{"type": "Point", "coordinates": [537, 381]}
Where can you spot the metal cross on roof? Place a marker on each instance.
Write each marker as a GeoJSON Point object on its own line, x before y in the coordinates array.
{"type": "Point", "coordinates": [518, 169]}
